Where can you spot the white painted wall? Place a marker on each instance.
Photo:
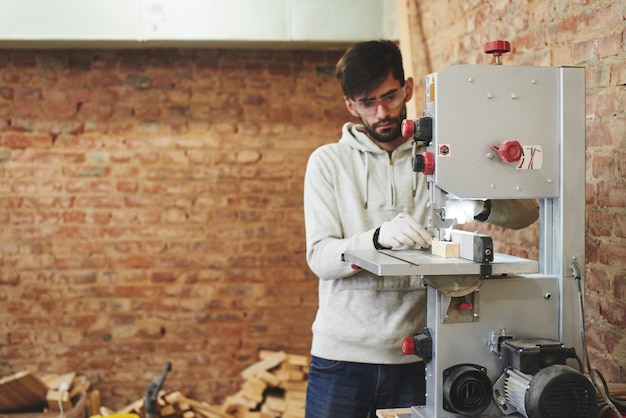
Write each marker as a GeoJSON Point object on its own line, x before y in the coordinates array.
{"type": "Point", "coordinates": [180, 22]}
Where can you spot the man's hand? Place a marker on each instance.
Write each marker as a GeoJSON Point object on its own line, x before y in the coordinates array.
{"type": "Point", "coordinates": [403, 232]}
{"type": "Point", "coordinates": [463, 211]}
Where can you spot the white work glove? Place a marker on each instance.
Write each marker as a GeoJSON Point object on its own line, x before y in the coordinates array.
{"type": "Point", "coordinates": [463, 211]}
{"type": "Point", "coordinates": [403, 232]}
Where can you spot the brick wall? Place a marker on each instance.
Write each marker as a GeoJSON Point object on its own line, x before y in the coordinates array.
{"type": "Point", "coordinates": [150, 200]}
{"type": "Point", "coordinates": [150, 210]}
{"type": "Point", "coordinates": [558, 33]}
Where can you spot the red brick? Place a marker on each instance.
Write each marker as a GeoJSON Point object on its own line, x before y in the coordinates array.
{"type": "Point", "coordinates": [611, 194]}
{"type": "Point", "coordinates": [28, 110]}
{"type": "Point", "coordinates": [566, 29]}
{"type": "Point", "coordinates": [608, 15]}
{"type": "Point", "coordinates": [611, 369]}
{"type": "Point", "coordinates": [603, 165]}
{"type": "Point", "coordinates": [610, 45]}
{"type": "Point", "coordinates": [607, 103]}
{"type": "Point", "coordinates": [619, 226]}
{"type": "Point", "coordinates": [597, 280]}
{"type": "Point", "coordinates": [96, 110]}
{"type": "Point", "coordinates": [618, 73]}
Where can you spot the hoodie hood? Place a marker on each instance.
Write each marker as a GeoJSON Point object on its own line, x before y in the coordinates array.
{"type": "Point", "coordinates": [354, 136]}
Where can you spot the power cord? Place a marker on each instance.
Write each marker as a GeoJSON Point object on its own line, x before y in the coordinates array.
{"type": "Point", "coordinates": [62, 390]}
{"type": "Point", "coordinates": [609, 403]}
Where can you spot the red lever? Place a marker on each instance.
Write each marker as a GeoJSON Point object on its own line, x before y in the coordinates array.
{"type": "Point", "coordinates": [497, 48]}
{"type": "Point", "coordinates": [465, 306]}
{"type": "Point", "coordinates": [510, 151]}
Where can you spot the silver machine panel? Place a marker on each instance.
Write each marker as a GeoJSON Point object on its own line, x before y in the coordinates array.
{"type": "Point", "coordinates": [478, 107]}
{"type": "Point", "coordinates": [475, 111]}
{"type": "Point", "coordinates": [522, 307]}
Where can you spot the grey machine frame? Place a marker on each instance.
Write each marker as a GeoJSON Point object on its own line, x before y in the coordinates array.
{"type": "Point", "coordinates": [473, 107]}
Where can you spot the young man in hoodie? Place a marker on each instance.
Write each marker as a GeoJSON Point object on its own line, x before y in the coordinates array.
{"type": "Point", "coordinates": [361, 194]}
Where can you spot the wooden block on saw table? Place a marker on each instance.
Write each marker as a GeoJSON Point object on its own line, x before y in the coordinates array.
{"type": "Point", "coordinates": [446, 249]}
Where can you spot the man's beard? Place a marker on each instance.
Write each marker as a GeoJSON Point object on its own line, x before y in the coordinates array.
{"type": "Point", "coordinates": [388, 135]}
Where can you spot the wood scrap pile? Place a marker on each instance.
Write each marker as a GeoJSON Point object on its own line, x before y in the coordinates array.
{"type": "Point", "coordinates": [171, 405]}
{"type": "Point", "coordinates": [26, 392]}
{"type": "Point", "coordinates": [274, 387]}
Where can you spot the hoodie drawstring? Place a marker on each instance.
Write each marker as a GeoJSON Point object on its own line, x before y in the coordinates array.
{"type": "Point", "coordinates": [367, 175]}
{"type": "Point", "coordinates": [392, 190]}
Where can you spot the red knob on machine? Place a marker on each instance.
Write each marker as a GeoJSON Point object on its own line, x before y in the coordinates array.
{"type": "Point", "coordinates": [408, 128]}
{"type": "Point", "coordinates": [510, 151]}
{"type": "Point", "coordinates": [429, 163]}
{"type": "Point", "coordinates": [497, 48]}
{"type": "Point", "coordinates": [408, 346]}
{"type": "Point", "coordinates": [465, 306]}
{"type": "Point", "coordinates": [424, 163]}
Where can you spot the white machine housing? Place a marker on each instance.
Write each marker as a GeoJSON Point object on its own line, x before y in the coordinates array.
{"type": "Point", "coordinates": [474, 110]}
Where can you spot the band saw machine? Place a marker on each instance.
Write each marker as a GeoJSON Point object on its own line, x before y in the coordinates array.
{"type": "Point", "coordinates": [503, 333]}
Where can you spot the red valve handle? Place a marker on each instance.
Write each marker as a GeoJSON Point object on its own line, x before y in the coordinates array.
{"type": "Point", "coordinates": [510, 151]}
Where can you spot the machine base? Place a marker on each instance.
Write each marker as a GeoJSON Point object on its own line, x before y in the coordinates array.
{"type": "Point", "coordinates": [421, 412]}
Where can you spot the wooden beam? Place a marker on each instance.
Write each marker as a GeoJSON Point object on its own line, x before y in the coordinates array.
{"type": "Point", "coordinates": [407, 51]}
{"type": "Point", "coordinates": [415, 55]}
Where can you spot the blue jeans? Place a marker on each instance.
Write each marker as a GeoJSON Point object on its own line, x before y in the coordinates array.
{"type": "Point", "coordinates": [356, 390]}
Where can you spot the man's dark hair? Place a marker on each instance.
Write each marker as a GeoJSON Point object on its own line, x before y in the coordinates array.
{"type": "Point", "coordinates": [366, 65]}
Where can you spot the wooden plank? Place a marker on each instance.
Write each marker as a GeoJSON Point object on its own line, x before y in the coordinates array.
{"type": "Point", "coordinates": [392, 413]}
{"type": "Point", "coordinates": [264, 365]}
{"type": "Point", "coordinates": [406, 47]}
{"type": "Point", "coordinates": [94, 402]}
{"type": "Point", "coordinates": [200, 407]}
{"type": "Point", "coordinates": [269, 378]}
{"type": "Point", "coordinates": [298, 360]}
{"type": "Point", "coordinates": [58, 380]}
{"type": "Point", "coordinates": [22, 391]}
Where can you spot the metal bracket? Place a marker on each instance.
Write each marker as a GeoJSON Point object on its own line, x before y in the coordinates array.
{"type": "Point", "coordinates": [459, 309]}
{"type": "Point", "coordinates": [568, 260]}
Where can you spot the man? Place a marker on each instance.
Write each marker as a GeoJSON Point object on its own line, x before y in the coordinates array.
{"type": "Point", "coordinates": [360, 194]}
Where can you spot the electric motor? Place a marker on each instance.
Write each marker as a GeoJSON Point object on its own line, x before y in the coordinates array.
{"type": "Point", "coordinates": [554, 392]}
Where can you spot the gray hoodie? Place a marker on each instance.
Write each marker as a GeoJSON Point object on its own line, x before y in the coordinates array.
{"type": "Point", "coordinates": [351, 187]}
